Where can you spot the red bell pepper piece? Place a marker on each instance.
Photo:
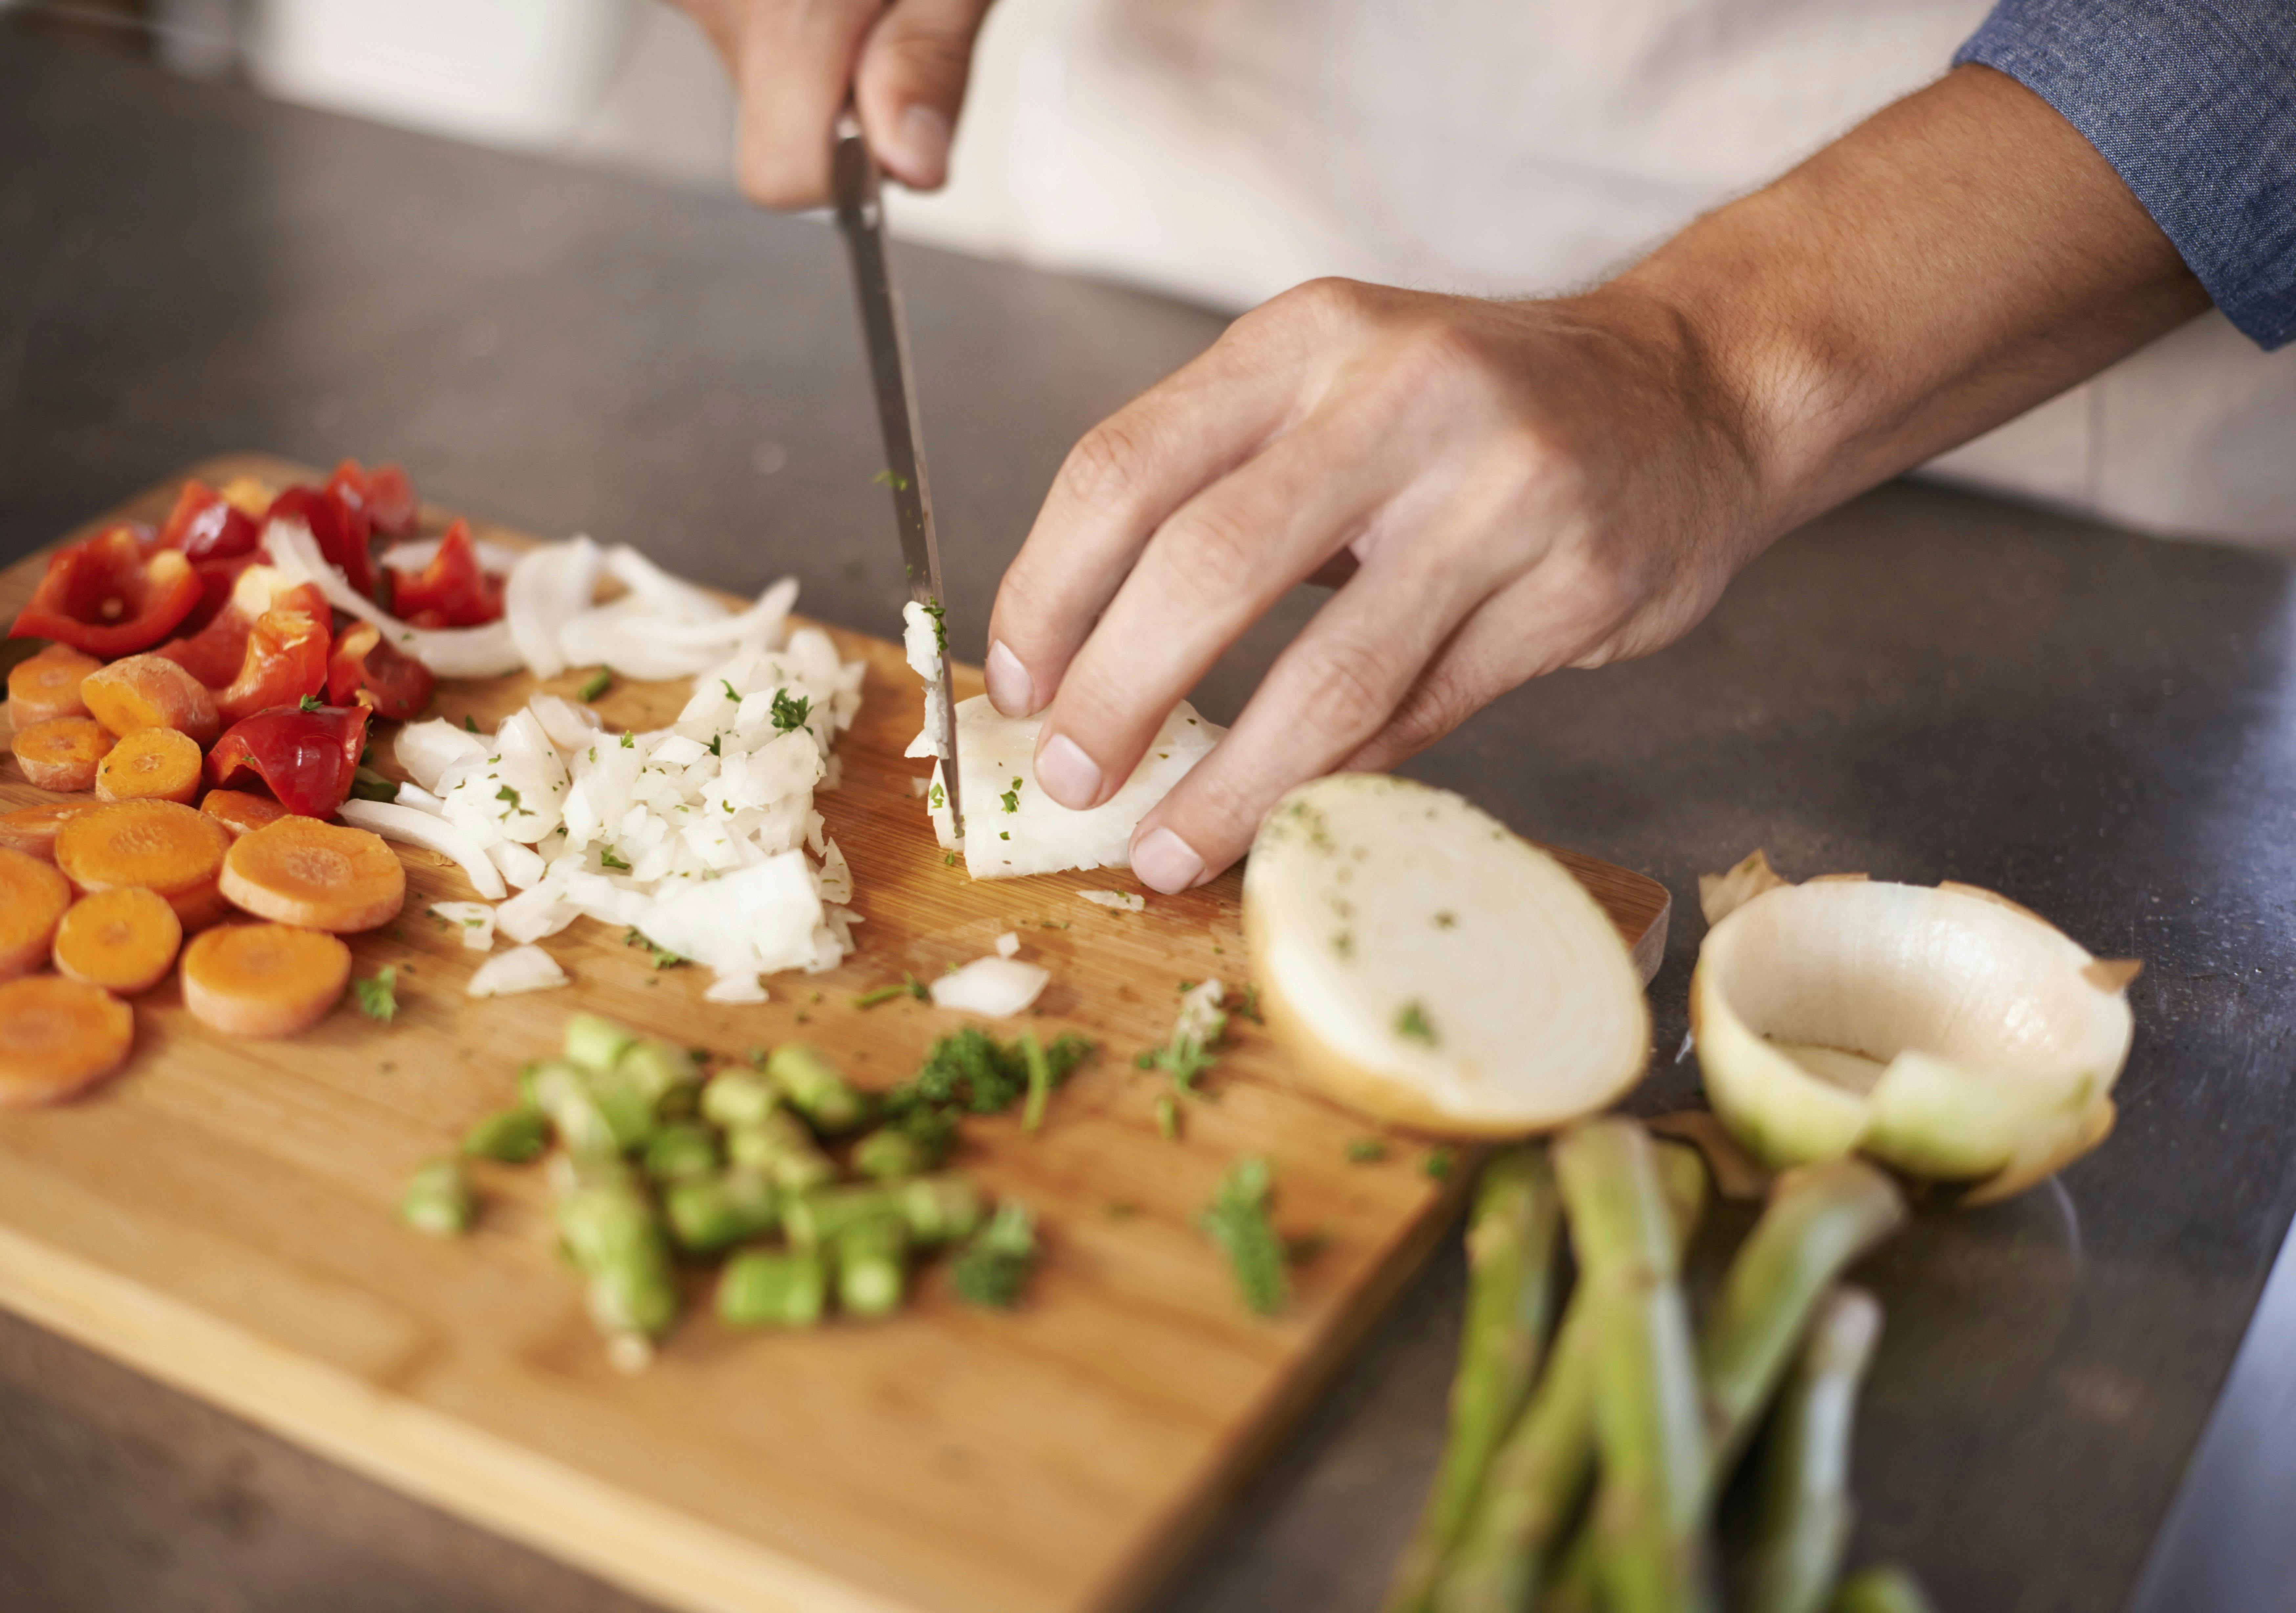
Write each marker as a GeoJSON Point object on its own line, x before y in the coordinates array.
{"type": "Point", "coordinates": [366, 671]}
{"type": "Point", "coordinates": [216, 652]}
{"type": "Point", "coordinates": [385, 494]}
{"type": "Point", "coordinates": [286, 660]}
{"type": "Point", "coordinates": [218, 578]}
{"type": "Point", "coordinates": [452, 591]}
{"type": "Point", "coordinates": [340, 529]}
{"type": "Point", "coordinates": [208, 526]}
{"type": "Point", "coordinates": [308, 757]}
{"type": "Point", "coordinates": [111, 597]}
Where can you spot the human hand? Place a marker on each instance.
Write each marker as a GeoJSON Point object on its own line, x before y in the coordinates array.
{"type": "Point", "coordinates": [795, 62]}
{"type": "Point", "coordinates": [1517, 488]}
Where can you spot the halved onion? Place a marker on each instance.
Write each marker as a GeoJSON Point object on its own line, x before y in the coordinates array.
{"type": "Point", "coordinates": [1946, 1032]}
{"type": "Point", "coordinates": [1427, 965]}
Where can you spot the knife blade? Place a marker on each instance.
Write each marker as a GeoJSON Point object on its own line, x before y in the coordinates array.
{"type": "Point", "coordinates": [861, 220]}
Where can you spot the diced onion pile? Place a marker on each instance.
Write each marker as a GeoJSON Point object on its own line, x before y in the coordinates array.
{"type": "Point", "coordinates": [697, 836]}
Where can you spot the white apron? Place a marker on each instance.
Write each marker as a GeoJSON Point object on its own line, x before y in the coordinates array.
{"type": "Point", "coordinates": [1227, 148]}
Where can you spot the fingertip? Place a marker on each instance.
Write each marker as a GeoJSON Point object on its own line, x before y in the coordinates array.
{"type": "Point", "coordinates": [1165, 861]}
{"type": "Point", "coordinates": [1066, 772]}
{"type": "Point", "coordinates": [1010, 690]}
{"type": "Point", "coordinates": [915, 151]}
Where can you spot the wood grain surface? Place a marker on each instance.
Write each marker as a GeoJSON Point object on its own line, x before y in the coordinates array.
{"type": "Point", "coordinates": [220, 1216]}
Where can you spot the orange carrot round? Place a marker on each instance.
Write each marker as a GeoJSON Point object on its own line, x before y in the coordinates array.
{"type": "Point", "coordinates": [62, 753]}
{"type": "Point", "coordinates": [322, 876]}
{"type": "Point", "coordinates": [152, 692]}
{"type": "Point", "coordinates": [33, 895]}
{"type": "Point", "coordinates": [166, 849]}
{"type": "Point", "coordinates": [151, 764]}
{"type": "Point", "coordinates": [241, 810]}
{"type": "Point", "coordinates": [47, 685]}
{"type": "Point", "coordinates": [57, 1036]}
{"type": "Point", "coordinates": [123, 940]}
{"type": "Point", "coordinates": [32, 829]}
{"type": "Point", "coordinates": [264, 979]}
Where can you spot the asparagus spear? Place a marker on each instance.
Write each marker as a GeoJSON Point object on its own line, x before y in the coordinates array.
{"type": "Point", "coordinates": [815, 1089]}
{"type": "Point", "coordinates": [707, 1214]}
{"type": "Point", "coordinates": [871, 1260]}
{"type": "Point", "coordinates": [1883, 1590]}
{"type": "Point", "coordinates": [1541, 1470]}
{"type": "Point", "coordinates": [1802, 1518]}
{"type": "Point", "coordinates": [1648, 1422]}
{"type": "Point", "coordinates": [438, 1201]}
{"type": "Point", "coordinates": [779, 1288]}
{"type": "Point", "coordinates": [1821, 1219]}
{"type": "Point", "coordinates": [514, 1136]}
{"type": "Point", "coordinates": [1510, 1290]}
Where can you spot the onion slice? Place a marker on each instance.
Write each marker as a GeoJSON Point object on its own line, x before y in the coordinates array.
{"type": "Point", "coordinates": [1946, 1032]}
{"type": "Point", "coordinates": [417, 827]}
{"type": "Point", "coordinates": [487, 651]}
{"type": "Point", "coordinates": [548, 588]}
{"type": "Point", "coordinates": [1426, 965]}
{"type": "Point", "coordinates": [521, 968]}
{"type": "Point", "coordinates": [998, 987]}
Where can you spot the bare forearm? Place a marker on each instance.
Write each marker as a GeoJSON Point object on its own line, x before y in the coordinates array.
{"type": "Point", "coordinates": [1959, 257]}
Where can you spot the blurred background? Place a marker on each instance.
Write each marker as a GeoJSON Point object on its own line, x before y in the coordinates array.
{"type": "Point", "coordinates": [1219, 150]}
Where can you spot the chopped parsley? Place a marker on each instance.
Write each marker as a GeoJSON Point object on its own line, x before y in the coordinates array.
{"type": "Point", "coordinates": [1237, 1220]}
{"type": "Point", "coordinates": [661, 957]}
{"type": "Point", "coordinates": [1367, 1150]}
{"type": "Point", "coordinates": [507, 794]}
{"type": "Point", "coordinates": [937, 797]}
{"type": "Point", "coordinates": [628, 743]}
{"type": "Point", "coordinates": [606, 857]}
{"type": "Point", "coordinates": [595, 684]}
{"type": "Point", "coordinates": [310, 702]}
{"type": "Point", "coordinates": [970, 1070]}
{"type": "Point", "coordinates": [1411, 1021]}
{"type": "Point", "coordinates": [378, 997]}
{"type": "Point", "coordinates": [939, 614]}
{"type": "Point", "coordinates": [789, 715]}
{"type": "Point", "coordinates": [726, 683]}
{"type": "Point", "coordinates": [1012, 797]}
{"type": "Point", "coordinates": [992, 1267]}
{"type": "Point", "coordinates": [470, 724]}
{"type": "Point", "coordinates": [715, 740]}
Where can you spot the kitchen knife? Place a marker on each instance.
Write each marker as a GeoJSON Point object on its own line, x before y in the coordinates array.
{"type": "Point", "coordinates": [861, 220]}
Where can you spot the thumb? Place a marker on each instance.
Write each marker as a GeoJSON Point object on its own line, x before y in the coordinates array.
{"type": "Point", "coordinates": [911, 86]}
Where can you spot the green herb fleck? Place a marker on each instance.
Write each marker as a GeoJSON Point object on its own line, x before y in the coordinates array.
{"type": "Point", "coordinates": [310, 702]}
{"type": "Point", "coordinates": [1012, 797]}
{"type": "Point", "coordinates": [1237, 1220]}
{"type": "Point", "coordinates": [891, 478]}
{"type": "Point", "coordinates": [507, 794]}
{"type": "Point", "coordinates": [935, 797]}
{"type": "Point", "coordinates": [726, 683]}
{"type": "Point", "coordinates": [628, 743]}
{"type": "Point", "coordinates": [884, 994]}
{"type": "Point", "coordinates": [595, 684]}
{"type": "Point", "coordinates": [661, 957]}
{"type": "Point", "coordinates": [948, 859]}
{"type": "Point", "coordinates": [606, 857]}
{"type": "Point", "coordinates": [1168, 1117]}
{"type": "Point", "coordinates": [378, 997]}
{"type": "Point", "coordinates": [1367, 1150]}
{"type": "Point", "coordinates": [1412, 1022]}
{"type": "Point", "coordinates": [939, 614]}
{"type": "Point", "coordinates": [1438, 1165]}
{"type": "Point", "coordinates": [789, 715]}
{"type": "Point", "coordinates": [715, 740]}
{"type": "Point", "coordinates": [470, 724]}
{"type": "Point", "coordinates": [992, 1267]}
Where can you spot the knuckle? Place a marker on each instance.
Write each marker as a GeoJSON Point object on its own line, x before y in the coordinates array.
{"type": "Point", "coordinates": [1429, 712]}
{"type": "Point", "coordinates": [1108, 468]}
{"type": "Point", "coordinates": [1210, 552]}
{"type": "Point", "coordinates": [1348, 687]}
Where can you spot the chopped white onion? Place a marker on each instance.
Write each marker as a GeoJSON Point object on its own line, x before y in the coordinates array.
{"type": "Point", "coordinates": [521, 968]}
{"type": "Point", "coordinates": [548, 588]}
{"type": "Point", "coordinates": [427, 750]}
{"type": "Point", "coordinates": [1122, 901]}
{"type": "Point", "coordinates": [998, 987]}
{"type": "Point", "coordinates": [569, 726]}
{"type": "Point", "coordinates": [1008, 945]}
{"type": "Point", "coordinates": [417, 827]}
{"type": "Point", "coordinates": [475, 919]}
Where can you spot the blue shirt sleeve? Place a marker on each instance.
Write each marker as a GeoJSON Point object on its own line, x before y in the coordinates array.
{"type": "Point", "coordinates": [2193, 102]}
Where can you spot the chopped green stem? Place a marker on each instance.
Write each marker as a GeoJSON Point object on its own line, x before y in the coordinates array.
{"type": "Point", "coordinates": [1040, 1081]}
{"type": "Point", "coordinates": [515, 1136]}
{"type": "Point", "coordinates": [682, 1150]}
{"type": "Point", "coordinates": [560, 1091]}
{"type": "Point", "coordinates": [707, 1214]}
{"type": "Point", "coordinates": [595, 684]}
{"type": "Point", "coordinates": [438, 1201]}
{"type": "Point", "coordinates": [806, 1078]}
{"type": "Point", "coordinates": [737, 1097]}
{"type": "Point", "coordinates": [774, 1288]}
{"type": "Point", "coordinates": [617, 1242]}
{"type": "Point", "coordinates": [781, 1147]}
{"type": "Point", "coordinates": [596, 1043]}
{"type": "Point", "coordinates": [1888, 1589]}
{"type": "Point", "coordinates": [871, 1258]}
{"type": "Point", "coordinates": [1238, 1221]}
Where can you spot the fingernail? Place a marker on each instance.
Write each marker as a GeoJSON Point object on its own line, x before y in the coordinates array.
{"type": "Point", "coordinates": [1165, 861]}
{"type": "Point", "coordinates": [921, 145]}
{"type": "Point", "coordinates": [1067, 773]}
{"type": "Point", "coordinates": [1009, 688]}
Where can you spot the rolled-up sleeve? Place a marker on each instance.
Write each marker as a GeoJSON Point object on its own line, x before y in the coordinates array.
{"type": "Point", "coordinates": [2194, 103]}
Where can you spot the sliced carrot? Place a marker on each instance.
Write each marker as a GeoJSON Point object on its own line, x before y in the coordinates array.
{"type": "Point", "coordinates": [264, 979]}
{"type": "Point", "coordinates": [151, 764]}
{"type": "Point", "coordinates": [152, 692]}
{"type": "Point", "coordinates": [240, 810]}
{"type": "Point", "coordinates": [123, 940]}
{"type": "Point", "coordinates": [47, 685]}
{"type": "Point", "coordinates": [62, 753]}
{"type": "Point", "coordinates": [32, 829]}
{"type": "Point", "coordinates": [33, 895]}
{"type": "Point", "coordinates": [166, 849]}
{"type": "Point", "coordinates": [57, 1036]}
{"type": "Point", "coordinates": [323, 876]}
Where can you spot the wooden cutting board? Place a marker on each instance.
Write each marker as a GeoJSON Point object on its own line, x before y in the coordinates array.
{"type": "Point", "coordinates": [220, 1216]}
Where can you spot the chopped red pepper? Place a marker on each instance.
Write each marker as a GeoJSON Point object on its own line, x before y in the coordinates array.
{"type": "Point", "coordinates": [340, 529]}
{"type": "Point", "coordinates": [208, 526]}
{"type": "Point", "coordinates": [111, 597]}
{"type": "Point", "coordinates": [365, 671]}
{"type": "Point", "coordinates": [308, 757]}
{"type": "Point", "coordinates": [215, 653]}
{"type": "Point", "coordinates": [218, 578]}
{"type": "Point", "coordinates": [452, 591]}
{"type": "Point", "coordinates": [286, 660]}
{"type": "Point", "coordinates": [384, 493]}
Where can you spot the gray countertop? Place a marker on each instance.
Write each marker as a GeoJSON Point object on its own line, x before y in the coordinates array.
{"type": "Point", "coordinates": [1923, 685]}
